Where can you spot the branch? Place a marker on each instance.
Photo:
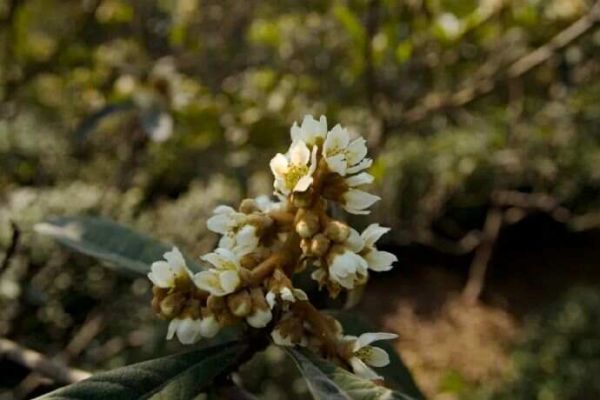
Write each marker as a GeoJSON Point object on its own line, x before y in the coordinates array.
{"type": "Point", "coordinates": [39, 363]}
{"type": "Point", "coordinates": [12, 247]}
{"type": "Point", "coordinates": [437, 101]}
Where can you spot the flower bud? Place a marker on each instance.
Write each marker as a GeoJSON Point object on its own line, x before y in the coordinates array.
{"type": "Point", "coordinates": [248, 206]}
{"type": "Point", "coordinates": [337, 231]}
{"type": "Point", "coordinates": [319, 245]}
{"type": "Point", "coordinates": [302, 199]}
{"type": "Point", "coordinates": [171, 305]}
{"type": "Point", "coordinates": [240, 303]}
{"type": "Point", "coordinates": [305, 246]}
{"type": "Point", "coordinates": [307, 224]}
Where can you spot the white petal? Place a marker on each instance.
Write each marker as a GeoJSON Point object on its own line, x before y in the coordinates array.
{"type": "Point", "coordinates": [279, 340]}
{"type": "Point", "coordinates": [303, 183]}
{"type": "Point", "coordinates": [287, 295]}
{"type": "Point", "coordinates": [356, 201]}
{"type": "Point", "coordinates": [377, 357]}
{"type": "Point", "coordinates": [361, 369]}
{"type": "Point", "coordinates": [300, 294]}
{"type": "Point", "coordinates": [380, 260]}
{"type": "Point", "coordinates": [172, 328]}
{"type": "Point", "coordinates": [221, 258]}
{"type": "Point", "coordinates": [209, 282]}
{"type": "Point", "coordinates": [209, 327]}
{"type": "Point", "coordinates": [260, 318]}
{"type": "Point", "coordinates": [188, 331]}
{"type": "Point", "coordinates": [229, 281]}
{"type": "Point", "coordinates": [361, 179]}
{"type": "Point", "coordinates": [372, 234]}
{"type": "Point", "coordinates": [367, 338]}
{"type": "Point", "coordinates": [313, 160]}
{"type": "Point", "coordinates": [161, 274]}
{"type": "Point", "coordinates": [354, 241]}
{"type": "Point", "coordinates": [175, 260]}
{"type": "Point", "coordinates": [219, 223]}
{"type": "Point", "coordinates": [337, 164]}
{"type": "Point", "coordinates": [357, 150]}
{"type": "Point", "coordinates": [337, 139]}
{"type": "Point", "coordinates": [296, 132]}
{"type": "Point", "coordinates": [364, 164]}
{"type": "Point", "coordinates": [270, 297]}
{"type": "Point", "coordinates": [222, 209]}
{"type": "Point", "coordinates": [299, 153]}
{"type": "Point", "coordinates": [279, 165]}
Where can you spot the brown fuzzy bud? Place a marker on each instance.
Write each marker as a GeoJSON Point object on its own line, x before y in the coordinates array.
{"type": "Point", "coordinates": [248, 206]}
{"type": "Point", "coordinates": [171, 306]}
{"type": "Point", "coordinates": [240, 303]}
{"type": "Point", "coordinates": [216, 304]}
{"type": "Point", "coordinates": [305, 246]}
{"type": "Point", "coordinates": [337, 231]}
{"type": "Point", "coordinates": [319, 245]}
{"type": "Point", "coordinates": [302, 200]}
{"type": "Point", "coordinates": [249, 261]}
{"type": "Point", "coordinates": [258, 299]}
{"type": "Point", "coordinates": [260, 221]}
{"type": "Point", "coordinates": [307, 224]}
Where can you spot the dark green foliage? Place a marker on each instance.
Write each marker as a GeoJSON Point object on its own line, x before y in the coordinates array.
{"type": "Point", "coordinates": [560, 359]}
{"type": "Point", "coordinates": [180, 376]}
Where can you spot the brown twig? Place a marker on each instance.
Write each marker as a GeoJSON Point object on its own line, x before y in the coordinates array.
{"type": "Point", "coordinates": [471, 91]}
{"type": "Point", "coordinates": [483, 254]}
{"type": "Point", "coordinates": [39, 363]}
{"type": "Point", "coordinates": [12, 247]}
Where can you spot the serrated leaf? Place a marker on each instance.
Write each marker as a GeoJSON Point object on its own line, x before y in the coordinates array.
{"type": "Point", "coordinates": [180, 376]}
{"type": "Point", "coordinates": [107, 241]}
{"type": "Point", "coordinates": [397, 375]}
{"type": "Point", "coordinates": [328, 381]}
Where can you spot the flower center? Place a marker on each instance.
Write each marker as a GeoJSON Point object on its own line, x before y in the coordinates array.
{"type": "Point", "coordinates": [364, 353]}
{"type": "Point", "coordinates": [293, 175]}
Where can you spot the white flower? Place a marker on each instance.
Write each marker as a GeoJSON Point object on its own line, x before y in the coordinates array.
{"type": "Point", "coordinates": [357, 201]}
{"type": "Point", "coordinates": [224, 278]}
{"type": "Point", "coordinates": [238, 236]}
{"type": "Point", "coordinates": [287, 295]}
{"type": "Point", "coordinates": [344, 156]}
{"type": "Point", "coordinates": [189, 330]}
{"type": "Point", "coordinates": [266, 205]}
{"type": "Point", "coordinates": [377, 260]}
{"type": "Point", "coordinates": [346, 267]}
{"type": "Point", "coordinates": [364, 355]}
{"type": "Point", "coordinates": [293, 172]}
{"type": "Point", "coordinates": [311, 132]}
{"type": "Point", "coordinates": [165, 273]}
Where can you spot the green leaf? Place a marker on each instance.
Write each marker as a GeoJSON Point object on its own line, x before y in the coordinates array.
{"type": "Point", "coordinates": [107, 241]}
{"type": "Point", "coordinates": [328, 381]}
{"type": "Point", "coordinates": [180, 376]}
{"type": "Point", "coordinates": [396, 374]}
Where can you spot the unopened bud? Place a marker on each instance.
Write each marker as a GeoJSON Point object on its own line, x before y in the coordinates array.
{"type": "Point", "coordinates": [216, 304]}
{"type": "Point", "coordinates": [305, 246]}
{"type": "Point", "coordinates": [248, 206]}
{"type": "Point", "coordinates": [337, 231]}
{"type": "Point", "coordinates": [240, 303]}
{"type": "Point", "coordinates": [260, 221]}
{"type": "Point", "coordinates": [249, 261]}
{"type": "Point", "coordinates": [319, 245]}
{"type": "Point", "coordinates": [307, 224]}
{"type": "Point", "coordinates": [302, 200]}
{"type": "Point", "coordinates": [171, 305]}
{"type": "Point", "coordinates": [258, 299]}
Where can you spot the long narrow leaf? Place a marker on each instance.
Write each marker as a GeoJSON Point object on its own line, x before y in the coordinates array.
{"type": "Point", "coordinates": [107, 241]}
{"type": "Point", "coordinates": [181, 376]}
{"type": "Point", "coordinates": [328, 381]}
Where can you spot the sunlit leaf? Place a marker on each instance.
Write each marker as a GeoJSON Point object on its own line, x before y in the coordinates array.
{"type": "Point", "coordinates": [181, 376]}
{"type": "Point", "coordinates": [328, 381]}
{"type": "Point", "coordinates": [107, 241]}
{"type": "Point", "coordinates": [396, 374]}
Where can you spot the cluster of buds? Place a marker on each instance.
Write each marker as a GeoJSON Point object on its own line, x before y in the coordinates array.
{"type": "Point", "coordinates": [248, 279]}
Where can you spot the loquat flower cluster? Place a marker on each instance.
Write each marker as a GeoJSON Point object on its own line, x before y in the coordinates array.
{"type": "Point", "coordinates": [265, 242]}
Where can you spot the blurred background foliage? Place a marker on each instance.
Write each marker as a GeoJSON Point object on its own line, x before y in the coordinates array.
{"type": "Point", "coordinates": [483, 116]}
